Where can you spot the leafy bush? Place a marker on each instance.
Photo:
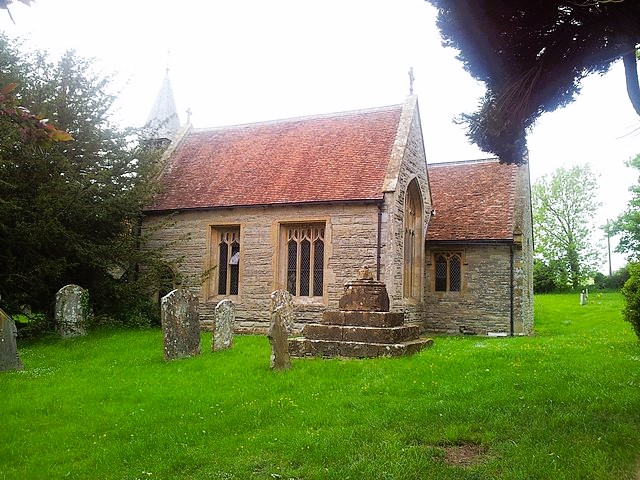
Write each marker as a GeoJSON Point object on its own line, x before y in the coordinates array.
{"type": "Point", "coordinates": [631, 292]}
{"type": "Point", "coordinates": [614, 282]}
{"type": "Point", "coordinates": [33, 326]}
{"type": "Point", "coordinates": [543, 277]}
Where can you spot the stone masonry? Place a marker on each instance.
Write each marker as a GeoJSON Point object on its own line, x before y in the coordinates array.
{"type": "Point", "coordinates": [363, 327]}
{"type": "Point", "coordinates": [351, 239]}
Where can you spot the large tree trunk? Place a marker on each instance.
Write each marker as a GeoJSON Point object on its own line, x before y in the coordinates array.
{"type": "Point", "coordinates": [631, 74]}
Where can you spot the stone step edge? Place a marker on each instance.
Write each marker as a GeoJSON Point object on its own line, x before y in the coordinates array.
{"type": "Point", "coordinates": [301, 347]}
{"type": "Point", "coordinates": [368, 334]}
{"type": "Point", "coordinates": [427, 340]}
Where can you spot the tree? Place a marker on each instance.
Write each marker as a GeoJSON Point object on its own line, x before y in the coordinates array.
{"type": "Point", "coordinates": [68, 210]}
{"type": "Point", "coordinates": [532, 57]}
{"type": "Point", "coordinates": [627, 225]}
{"type": "Point", "coordinates": [631, 293]}
{"type": "Point", "coordinates": [564, 214]}
{"type": "Point", "coordinates": [544, 277]}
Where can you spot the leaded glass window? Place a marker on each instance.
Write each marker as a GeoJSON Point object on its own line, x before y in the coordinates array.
{"type": "Point", "coordinates": [455, 277]}
{"type": "Point", "coordinates": [441, 273]}
{"type": "Point", "coordinates": [305, 260]}
{"type": "Point", "coordinates": [228, 256]}
{"type": "Point", "coordinates": [448, 272]}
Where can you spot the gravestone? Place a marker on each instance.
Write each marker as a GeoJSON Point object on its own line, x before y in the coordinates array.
{"type": "Point", "coordinates": [72, 303]}
{"type": "Point", "coordinates": [280, 327]}
{"type": "Point", "coordinates": [9, 359]}
{"type": "Point", "coordinates": [180, 325]}
{"type": "Point", "coordinates": [225, 317]}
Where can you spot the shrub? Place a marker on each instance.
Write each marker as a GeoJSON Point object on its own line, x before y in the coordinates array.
{"type": "Point", "coordinates": [615, 281]}
{"type": "Point", "coordinates": [543, 277]}
{"type": "Point", "coordinates": [631, 292]}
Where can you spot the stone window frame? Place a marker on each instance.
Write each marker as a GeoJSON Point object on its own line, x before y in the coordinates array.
{"type": "Point", "coordinates": [448, 254]}
{"type": "Point", "coordinates": [282, 272]}
{"type": "Point", "coordinates": [413, 242]}
{"type": "Point", "coordinates": [213, 271]}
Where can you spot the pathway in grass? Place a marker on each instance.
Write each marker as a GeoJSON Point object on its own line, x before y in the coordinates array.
{"type": "Point", "coordinates": [563, 405]}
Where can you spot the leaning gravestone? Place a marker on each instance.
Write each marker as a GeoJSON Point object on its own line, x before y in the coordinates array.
{"type": "Point", "coordinates": [280, 327]}
{"type": "Point", "coordinates": [180, 325]}
{"type": "Point", "coordinates": [9, 359]}
{"type": "Point", "coordinates": [71, 309]}
{"type": "Point", "coordinates": [225, 318]}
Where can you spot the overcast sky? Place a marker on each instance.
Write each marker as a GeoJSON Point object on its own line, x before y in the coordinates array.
{"type": "Point", "coordinates": [250, 60]}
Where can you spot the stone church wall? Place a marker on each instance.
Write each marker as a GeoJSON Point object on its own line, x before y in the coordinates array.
{"type": "Point", "coordinates": [483, 304]}
{"type": "Point", "coordinates": [408, 161]}
{"type": "Point", "coordinates": [523, 255]}
{"type": "Point", "coordinates": [351, 232]}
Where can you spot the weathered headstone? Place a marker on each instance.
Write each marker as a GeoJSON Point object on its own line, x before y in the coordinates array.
{"type": "Point", "coordinates": [180, 325]}
{"type": "Point", "coordinates": [225, 317]}
{"type": "Point", "coordinates": [72, 304]}
{"type": "Point", "coordinates": [280, 327]}
{"type": "Point", "coordinates": [9, 358]}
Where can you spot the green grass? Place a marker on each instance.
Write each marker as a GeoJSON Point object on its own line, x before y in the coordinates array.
{"type": "Point", "coordinates": [564, 404]}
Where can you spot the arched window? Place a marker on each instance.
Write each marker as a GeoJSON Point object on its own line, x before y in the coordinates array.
{"type": "Point", "coordinates": [448, 272]}
{"type": "Point", "coordinates": [305, 260]}
{"type": "Point", "coordinates": [413, 241]}
{"type": "Point", "coordinates": [227, 254]}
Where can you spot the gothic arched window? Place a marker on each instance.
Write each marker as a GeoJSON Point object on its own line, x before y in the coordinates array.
{"type": "Point", "coordinates": [448, 272]}
{"type": "Point", "coordinates": [413, 241]}
{"type": "Point", "coordinates": [305, 260]}
{"type": "Point", "coordinates": [226, 251]}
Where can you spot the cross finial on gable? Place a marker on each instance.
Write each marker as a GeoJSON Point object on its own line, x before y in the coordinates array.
{"type": "Point", "coordinates": [411, 79]}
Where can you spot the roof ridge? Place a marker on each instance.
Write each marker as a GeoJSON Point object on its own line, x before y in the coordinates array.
{"type": "Point", "coordinates": [465, 162]}
{"type": "Point", "coordinates": [277, 121]}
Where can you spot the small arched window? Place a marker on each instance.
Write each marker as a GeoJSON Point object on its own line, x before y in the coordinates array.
{"type": "Point", "coordinates": [448, 272]}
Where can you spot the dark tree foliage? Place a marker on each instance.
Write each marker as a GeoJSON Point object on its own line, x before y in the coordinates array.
{"type": "Point", "coordinates": [69, 211]}
{"type": "Point", "coordinates": [631, 292]}
{"type": "Point", "coordinates": [615, 281]}
{"type": "Point", "coordinates": [532, 57]}
{"type": "Point", "coordinates": [544, 277]}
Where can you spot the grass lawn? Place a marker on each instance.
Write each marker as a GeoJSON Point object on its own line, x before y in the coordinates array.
{"type": "Point", "coordinates": [564, 404]}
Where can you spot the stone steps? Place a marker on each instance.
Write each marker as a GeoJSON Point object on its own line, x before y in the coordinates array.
{"type": "Point", "coordinates": [356, 333]}
{"type": "Point", "coordinates": [363, 319]}
{"type": "Point", "coordinates": [306, 347]}
{"type": "Point", "coordinates": [362, 328]}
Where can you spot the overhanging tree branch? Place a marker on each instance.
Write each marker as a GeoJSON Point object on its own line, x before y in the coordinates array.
{"type": "Point", "coordinates": [631, 74]}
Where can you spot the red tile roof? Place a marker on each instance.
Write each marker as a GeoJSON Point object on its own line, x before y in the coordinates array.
{"type": "Point", "coordinates": [472, 200]}
{"type": "Point", "coordinates": [337, 157]}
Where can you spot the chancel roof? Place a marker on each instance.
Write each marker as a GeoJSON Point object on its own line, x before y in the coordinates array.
{"type": "Point", "coordinates": [327, 158]}
{"type": "Point", "coordinates": [472, 201]}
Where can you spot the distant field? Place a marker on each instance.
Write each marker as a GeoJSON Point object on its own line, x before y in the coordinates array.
{"type": "Point", "coordinates": [564, 404]}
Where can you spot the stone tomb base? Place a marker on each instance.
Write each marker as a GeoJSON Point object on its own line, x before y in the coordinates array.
{"type": "Point", "coordinates": [359, 334]}
{"type": "Point", "coordinates": [359, 329]}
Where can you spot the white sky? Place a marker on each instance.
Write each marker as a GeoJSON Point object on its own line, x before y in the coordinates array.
{"type": "Point", "coordinates": [251, 60]}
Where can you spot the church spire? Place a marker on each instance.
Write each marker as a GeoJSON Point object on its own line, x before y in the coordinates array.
{"type": "Point", "coordinates": [163, 122]}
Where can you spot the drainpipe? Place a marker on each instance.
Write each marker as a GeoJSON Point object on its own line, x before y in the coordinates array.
{"type": "Point", "coordinates": [511, 289]}
{"type": "Point", "coordinates": [379, 244]}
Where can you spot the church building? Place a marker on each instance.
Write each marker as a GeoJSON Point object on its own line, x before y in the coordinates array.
{"type": "Point", "coordinates": [302, 204]}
